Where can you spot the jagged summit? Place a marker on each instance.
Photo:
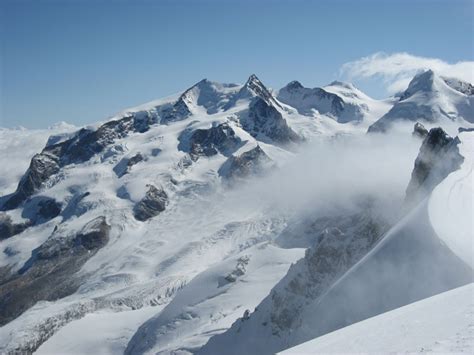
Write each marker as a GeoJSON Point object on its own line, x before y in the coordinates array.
{"type": "Point", "coordinates": [253, 88]}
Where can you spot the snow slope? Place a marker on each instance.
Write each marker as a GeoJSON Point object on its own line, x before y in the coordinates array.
{"type": "Point", "coordinates": [213, 300]}
{"type": "Point", "coordinates": [450, 207]}
{"type": "Point", "coordinates": [100, 333]}
{"type": "Point", "coordinates": [411, 262]}
{"type": "Point", "coordinates": [441, 324]}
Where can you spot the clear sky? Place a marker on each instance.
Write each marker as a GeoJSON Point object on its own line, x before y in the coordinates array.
{"type": "Point", "coordinates": [81, 61]}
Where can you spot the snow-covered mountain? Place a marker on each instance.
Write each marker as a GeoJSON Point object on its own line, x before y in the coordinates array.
{"type": "Point", "coordinates": [228, 217]}
{"type": "Point", "coordinates": [433, 100]}
{"type": "Point", "coordinates": [341, 101]}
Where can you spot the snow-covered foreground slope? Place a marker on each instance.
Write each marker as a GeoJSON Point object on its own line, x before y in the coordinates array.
{"type": "Point", "coordinates": [441, 324]}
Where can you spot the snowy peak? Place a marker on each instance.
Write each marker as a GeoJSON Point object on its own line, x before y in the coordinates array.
{"type": "Point", "coordinates": [341, 101]}
{"type": "Point", "coordinates": [424, 82]}
{"type": "Point", "coordinates": [210, 95]}
{"type": "Point", "coordinates": [433, 100]}
{"type": "Point", "coordinates": [306, 100]}
{"type": "Point", "coordinates": [430, 82]}
{"type": "Point", "coordinates": [254, 88]}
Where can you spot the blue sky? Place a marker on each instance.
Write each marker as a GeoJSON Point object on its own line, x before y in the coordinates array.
{"type": "Point", "coordinates": [81, 61]}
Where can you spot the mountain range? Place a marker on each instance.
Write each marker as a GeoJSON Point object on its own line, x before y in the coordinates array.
{"type": "Point", "coordinates": [235, 218]}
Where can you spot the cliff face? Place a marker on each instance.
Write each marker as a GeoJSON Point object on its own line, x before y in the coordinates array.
{"type": "Point", "coordinates": [438, 157]}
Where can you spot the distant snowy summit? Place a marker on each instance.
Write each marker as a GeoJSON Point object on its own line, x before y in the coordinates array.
{"type": "Point", "coordinates": [431, 99]}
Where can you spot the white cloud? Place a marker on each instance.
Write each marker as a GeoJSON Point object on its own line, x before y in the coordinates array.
{"type": "Point", "coordinates": [398, 69]}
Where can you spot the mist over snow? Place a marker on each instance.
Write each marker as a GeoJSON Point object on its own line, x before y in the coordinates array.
{"type": "Point", "coordinates": [335, 173]}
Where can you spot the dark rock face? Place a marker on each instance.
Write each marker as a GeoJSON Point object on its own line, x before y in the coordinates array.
{"type": "Point", "coordinates": [459, 85]}
{"type": "Point", "coordinates": [265, 122]}
{"type": "Point", "coordinates": [152, 204]}
{"type": "Point", "coordinates": [49, 209]}
{"type": "Point", "coordinates": [125, 165]}
{"type": "Point", "coordinates": [42, 166]}
{"type": "Point", "coordinates": [94, 235]}
{"type": "Point", "coordinates": [209, 142]}
{"type": "Point", "coordinates": [419, 130]}
{"type": "Point", "coordinates": [306, 99]}
{"type": "Point", "coordinates": [39, 209]}
{"type": "Point", "coordinates": [438, 157]}
{"type": "Point", "coordinates": [176, 112]}
{"type": "Point", "coordinates": [78, 149]}
{"type": "Point", "coordinates": [49, 273]}
{"type": "Point", "coordinates": [252, 162]}
{"type": "Point", "coordinates": [253, 88]}
{"type": "Point", "coordinates": [8, 228]}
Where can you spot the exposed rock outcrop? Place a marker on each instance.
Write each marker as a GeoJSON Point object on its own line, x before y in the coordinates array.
{"type": "Point", "coordinates": [152, 204]}
{"type": "Point", "coordinates": [252, 162]}
{"type": "Point", "coordinates": [208, 142]}
{"type": "Point", "coordinates": [253, 88]}
{"type": "Point", "coordinates": [419, 130]}
{"type": "Point", "coordinates": [306, 99]}
{"type": "Point", "coordinates": [39, 209]}
{"type": "Point", "coordinates": [125, 165]}
{"type": "Point", "coordinates": [459, 85]}
{"type": "Point", "coordinates": [49, 273]}
{"type": "Point", "coordinates": [438, 157]}
{"type": "Point", "coordinates": [42, 167]}
{"type": "Point", "coordinates": [264, 122]}
{"type": "Point", "coordinates": [80, 148]}
{"type": "Point", "coordinates": [176, 112]}
{"type": "Point", "coordinates": [8, 228]}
